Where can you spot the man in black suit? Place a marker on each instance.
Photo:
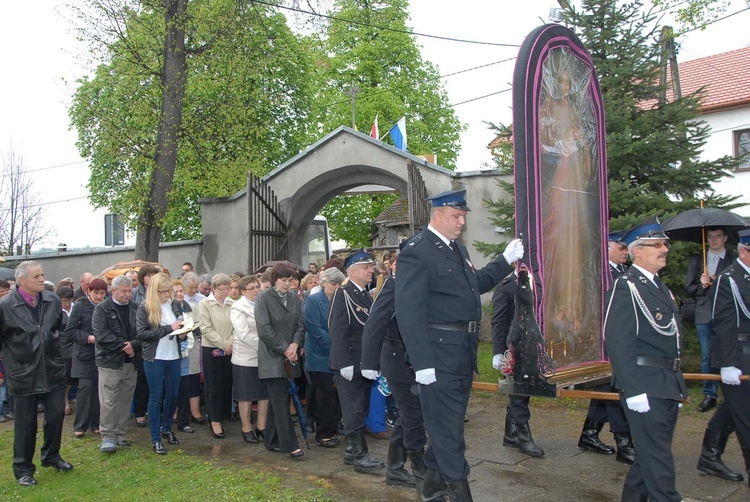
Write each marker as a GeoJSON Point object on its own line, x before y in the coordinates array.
{"type": "Point", "coordinates": [601, 411]}
{"type": "Point", "coordinates": [350, 309]}
{"type": "Point", "coordinates": [730, 351]}
{"type": "Point", "coordinates": [383, 351]}
{"type": "Point", "coordinates": [698, 279]}
{"type": "Point", "coordinates": [517, 414]}
{"type": "Point", "coordinates": [642, 334]}
{"type": "Point", "coordinates": [438, 309]}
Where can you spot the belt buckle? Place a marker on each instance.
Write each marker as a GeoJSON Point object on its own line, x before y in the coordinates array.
{"type": "Point", "coordinates": [473, 326]}
{"type": "Point", "coordinates": [676, 364]}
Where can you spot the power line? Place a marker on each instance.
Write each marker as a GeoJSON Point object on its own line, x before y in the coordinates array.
{"type": "Point", "coordinates": [716, 20]}
{"type": "Point", "coordinates": [7, 210]}
{"type": "Point", "coordinates": [43, 168]}
{"type": "Point", "coordinates": [385, 28]}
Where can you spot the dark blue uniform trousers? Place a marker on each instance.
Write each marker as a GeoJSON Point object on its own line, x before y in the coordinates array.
{"type": "Point", "coordinates": [608, 411]}
{"type": "Point", "coordinates": [444, 405]}
{"type": "Point", "coordinates": [354, 397]}
{"type": "Point", "coordinates": [652, 473]}
{"type": "Point", "coordinates": [409, 429]}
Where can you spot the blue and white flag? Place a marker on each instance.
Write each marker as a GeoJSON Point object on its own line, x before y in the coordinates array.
{"type": "Point", "coordinates": [398, 134]}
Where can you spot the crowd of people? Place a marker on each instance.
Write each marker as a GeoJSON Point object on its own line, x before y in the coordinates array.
{"type": "Point", "coordinates": [149, 349]}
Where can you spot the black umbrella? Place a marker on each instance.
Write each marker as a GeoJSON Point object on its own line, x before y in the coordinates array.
{"type": "Point", "coordinates": [294, 392]}
{"type": "Point", "coordinates": [7, 274]}
{"type": "Point", "coordinates": [690, 225]}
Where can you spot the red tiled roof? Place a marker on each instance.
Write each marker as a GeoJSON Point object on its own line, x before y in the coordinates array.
{"type": "Point", "coordinates": [726, 77]}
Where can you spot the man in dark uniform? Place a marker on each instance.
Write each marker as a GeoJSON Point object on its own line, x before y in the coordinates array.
{"type": "Point", "coordinates": [30, 321]}
{"type": "Point", "coordinates": [642, 332]}
{"type": "Point", "coordinates": [601, 411]}
{"type": "Point", "coordinates": [350, 308]}
{"type": "Point", "coordinates": [697, 283]}
{"type": "Point", "coordinates": [730, 349]}
{"type": "Point", "coordinates": [383, 351]}
{"type": "Point", "coordinates": [438, 309]}
{"type": "Point", "coordinates": [517, 414]}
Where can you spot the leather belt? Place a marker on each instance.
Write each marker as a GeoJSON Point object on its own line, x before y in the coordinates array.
{"type": "Point", "coordinates": [651, 362]}
{"type": "Point", "coordinates": [743, 337]}
{"type": "Point", "coordinates": [469, 327]}
{"type": "Point", "coordinates": [393, 341]}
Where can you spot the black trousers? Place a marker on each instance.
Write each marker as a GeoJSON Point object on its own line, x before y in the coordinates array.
{"type": "Point", "coordinates": [518, 408]}
{"type": "Point", "coordinates": [140, 397]}
{"type": "Point", "coordinates": [87, 409]}
{"type": "Point", "coordinates": [354, 397]}
{"type": "Point", "coordinates": [326, 405]}
{"type": "Point", "coordinates": [25, 428]}
{"type": "Point", "coordinates": [279, 427]}
{"type": "Point", "coordinates": [722, 421]}
{"type": "Point", "coordinates": [443, 407]}
{"type": "Point", "coordinates": [217, 379]}
{"type": "Point", "coordinates": [609, 411]}
{"type": "Point", "coordinates": [737, 400]}
{"type": "Point", "coordinates": [652, 473]}
{"type": "Point", "coordinates": [409, 430]}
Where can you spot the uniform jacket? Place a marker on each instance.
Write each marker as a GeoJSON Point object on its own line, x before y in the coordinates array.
{"type": "Point", "coordinates": [629, 333]}
{"type": "Point", "coordinates": [78, 331]}
{"type": "Point", "coordinates": [317, 341]}
{"type": "Point", "coordinates": [245, 347]}
{"type": "Point", "coordinates": [382, 345]}
{"type": "Point", "coordinates": [694, 288]}
{"type": "Point", "coordinates": [730, 318]}
{"type": "Point", "coordinates": [31, 349]}
{"type": "Point", "coordinates": [111, 335]}
{"type": "Point", "coordinates": [350, 309]}
{"type": "Point", "coordinates": [436, 286]}
{"type": "Point", "coordinates": [503, 309]}
{"type": "Point", "coordinates": [150, 337]}
{"type": "Point", "coordinates": [278, 327]}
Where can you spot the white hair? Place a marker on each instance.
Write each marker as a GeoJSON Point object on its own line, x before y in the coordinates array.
{"type": "Point", "coordinates": [23, 269]}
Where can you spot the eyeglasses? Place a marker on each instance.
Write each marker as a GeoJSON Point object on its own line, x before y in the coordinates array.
{"type": "Point", "coordinates": [655, 245]}
{"type": "Point", "coordinates": [251, 288]}
{"type": "Point", "coordinates": [164, 291]}
{"type": "Point", "coordinates": [223, 289]}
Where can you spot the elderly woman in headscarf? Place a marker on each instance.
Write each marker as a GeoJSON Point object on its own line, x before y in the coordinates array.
{"type": "Point", "coordinates": [281, 328]}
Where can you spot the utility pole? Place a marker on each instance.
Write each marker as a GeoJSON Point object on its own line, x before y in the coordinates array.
{"type": "Point", "coordinates": [353, 91]}
{"type": "Point", "coordinates": [669, 62]}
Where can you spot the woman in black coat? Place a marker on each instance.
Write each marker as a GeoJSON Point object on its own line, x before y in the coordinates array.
{"type": "Point", "coordinates": [84, 365]}
{"type": "Point", "coordinates": [281, 329]}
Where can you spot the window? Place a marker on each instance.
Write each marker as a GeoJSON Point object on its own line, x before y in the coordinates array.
{"type": "Point", "coordinates": [742, 149]}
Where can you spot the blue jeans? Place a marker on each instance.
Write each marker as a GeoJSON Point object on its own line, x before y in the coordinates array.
{"type": "Point", "coordinates": [705, 333]}
{"type": "Point", "coordinates": [163, 382]}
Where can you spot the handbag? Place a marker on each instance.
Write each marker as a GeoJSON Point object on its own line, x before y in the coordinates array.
{"type": "Point", "coordinates": [687, 309]}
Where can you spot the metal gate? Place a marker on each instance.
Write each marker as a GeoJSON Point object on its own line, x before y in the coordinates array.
{"type": "Point", "coordinates": [268, 231]}
{"type": "Point", "coordinates": [419, 208]}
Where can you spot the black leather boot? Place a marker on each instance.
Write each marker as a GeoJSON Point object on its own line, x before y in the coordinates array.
{"type": "Point", "coordinates": [434, 487]}
{"type": "Point", "coordinates": [363, 462]}
{"type": "Point", "coordinates": [589, 439]}
{"type": "Point", "coordinates": [630, 495]}
{"type": "Point", "coordinates": [526, 443]}
{"type": "Point", "coordinates": [349, 451]}
{"type": "Point", "coordinates": [396, 473]}
{"type": "Point", "coordinates": [625, 448]}
{"type": "Point", "coordinates": [459, 491]}
{"type": "Point", "coordinates": [510, 438]}
{"type": "Point", "coordinates": [418, 469]}
{"type": "Point", "coordinates": [710, 460]}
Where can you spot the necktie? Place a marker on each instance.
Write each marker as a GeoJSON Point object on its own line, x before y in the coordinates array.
{"type": "Point", "coordinates": [662, 287]}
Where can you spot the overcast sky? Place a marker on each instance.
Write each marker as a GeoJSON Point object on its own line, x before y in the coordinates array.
{"type": "Point", "coordinates": [42, 61]}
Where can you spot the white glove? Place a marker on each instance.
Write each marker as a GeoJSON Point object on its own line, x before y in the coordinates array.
{"type": "Point", "coordinates": [731, 375]}
{"type": "Point", "coordinates": [497, 360]}
{"type": "Point", "coordinates": [371, 374]}
{"type": "Point", "coordinates": [638, 403]}
{"type": "Point", "coordinates": [514, 251]}
{"type": "Point", "coordinates": [347, 373]}
{"type": "Point", "coordinates": [426, 376]}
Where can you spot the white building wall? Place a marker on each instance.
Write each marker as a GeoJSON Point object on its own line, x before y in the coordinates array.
{"type": "Point", "coordinates": [720, 143]}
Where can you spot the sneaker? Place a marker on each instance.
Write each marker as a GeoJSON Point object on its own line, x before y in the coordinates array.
{"type": "Point", "coordinates": [3, 419]}
{"type": "Point", "coordinates": [10, 415]}
{"type": "Point", "coordinates": [108, 446]}
{"type": "Point", "coordinates": [383, 386]}
{"type": "Point", "coordinates": [124, 442]}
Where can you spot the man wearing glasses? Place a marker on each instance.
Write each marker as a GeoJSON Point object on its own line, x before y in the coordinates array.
{"type": "Point", "coordinates": [642, 331]}
{"type": "Point", "coordinates": [697, 281]}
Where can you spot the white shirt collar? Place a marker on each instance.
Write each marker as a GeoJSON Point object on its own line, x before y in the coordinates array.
{"type": "Point", "coordinates": [646, 273]}
{"type": "Point", "coordinates": [720, 255]}
{"type": "Point", "coordinates": [441, 236]}
{"type": "Point", "coordinates": [744, 266]}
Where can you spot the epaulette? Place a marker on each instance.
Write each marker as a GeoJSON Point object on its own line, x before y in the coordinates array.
{"type": "Point", "coordinates": [414, 241]}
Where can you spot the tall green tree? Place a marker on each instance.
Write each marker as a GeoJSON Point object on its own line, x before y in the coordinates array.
{"type": "Point", "coordinates": [390, 79]}
{"type": "Point", "coordinates": [248, 91]}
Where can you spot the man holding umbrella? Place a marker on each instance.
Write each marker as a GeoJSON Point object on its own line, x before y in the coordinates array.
{"type": "Point", "coordinates": [700, 275]}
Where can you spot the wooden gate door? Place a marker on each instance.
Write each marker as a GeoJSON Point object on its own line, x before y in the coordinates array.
{"type": "Point", "coordinates": [269, 237]}
{"type": "Point", "coordinates": [419, 208]}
